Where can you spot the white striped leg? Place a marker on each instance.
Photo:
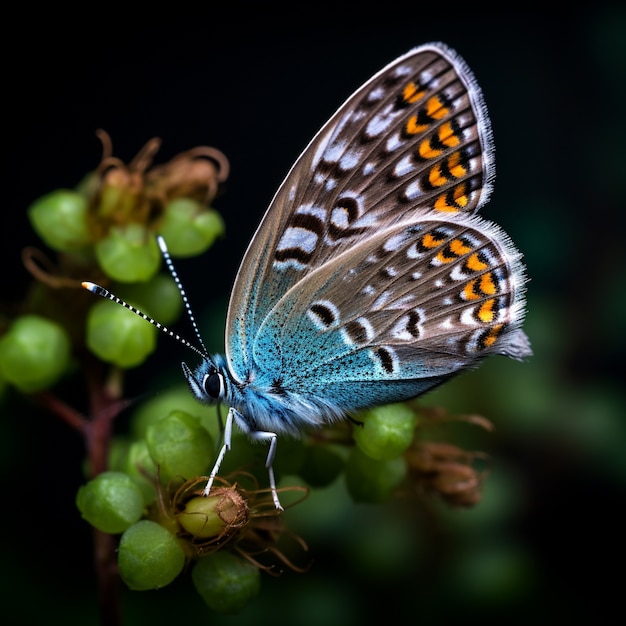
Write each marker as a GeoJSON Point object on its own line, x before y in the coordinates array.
{"type": "Point", "coordinates": [257, 435]}
{"type": "Point", "coordinates": [228, 431]}
{"type": "Point", "coordinates": [261, 435]}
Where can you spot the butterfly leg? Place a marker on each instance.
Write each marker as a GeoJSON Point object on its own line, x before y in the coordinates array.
{"type": "Point", "coordinates": [228, 429]}
{"type": "Point", "coordinates": [261, 435]}
{"type": "Point", "coordinates": [257, 435]}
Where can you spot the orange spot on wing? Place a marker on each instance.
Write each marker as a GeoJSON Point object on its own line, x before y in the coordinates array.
{"type": "Point", "coordinates": [487, 286]}
{"type": "Point", "coordinates": [454, 165]}
{"type": "Point", "coordinates": [447, 135]}
{"type": "Point", "coordinates": [413, 128]}
{"type": "Point", "coordinates": [459, 247]}
{"type": "Point", "coordinates": [469, 291]}
{"type": "Point", "coordinates": [486, 312]}
{"type": "Point", "coordinates": [492, 336]}
{"type": "Point", "coordinates": [426, 151]}
{"type": "Point", "coordinates": [459, 200]}
{"type": "Point", "coordinates": [429, 241]}
{"type": "Point", "coordinates": [441, 205]}
{"type": "Point", "coordinates": [435, 108]}
{"type": "Point", "coordinates": [436, 178]}
{"type": "Point", "coordinates": [412, 93]}
{"type": "Point", "coordinates": [453, 251]}
{"type": "Point", "coordinates": [475, 264]}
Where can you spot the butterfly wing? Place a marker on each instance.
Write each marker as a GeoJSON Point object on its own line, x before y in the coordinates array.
{"type": "Point", "coordinates": [412, 305]}
{"type": "Point", "coordinates": [414, 142]}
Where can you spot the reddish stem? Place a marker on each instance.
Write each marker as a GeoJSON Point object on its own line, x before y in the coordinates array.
{"type": "Point", "coordinates": [69, 415]}
{"type": "Point", "coordinates": [107, 574]}
{"type": "Point", "coordinates": [105, 405]}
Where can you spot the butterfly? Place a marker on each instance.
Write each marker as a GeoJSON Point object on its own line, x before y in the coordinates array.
{"type": "Point", "coordinates": [371, 279]}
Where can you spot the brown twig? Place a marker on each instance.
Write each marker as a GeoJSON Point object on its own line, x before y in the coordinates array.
{"type": "Point", "coordinates": [105, 405]}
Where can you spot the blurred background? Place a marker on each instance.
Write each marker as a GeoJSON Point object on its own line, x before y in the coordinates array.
{"type": "Point", "coordinates": [548, 538]}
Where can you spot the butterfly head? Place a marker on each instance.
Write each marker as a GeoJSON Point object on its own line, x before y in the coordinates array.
{"type": "Point", "coordinates": [207, 382]}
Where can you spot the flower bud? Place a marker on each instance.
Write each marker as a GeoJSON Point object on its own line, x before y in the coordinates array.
{"type": "Point", "coordinates": [149, 556]}
{"type": "Point", "coordinates": [111, 502]}
{"type": "Point", "coordinates": [205, 517]}
{"type": "Point", "coordinates": [189, 228]}
{"type": "Point", "coordinates": [370, 480]}
{"type": "Point", "coordinates": [118, 336]}
{"type": "Point", "coordinates": [129, 254]}
{"type": "Point", "coordinates": [180, 446]}
{"type": "Point", "coordinates": [226, 582]}
{"type": "Point", "coordinates": [60, 219]}
{"type": "Point", "coordinates": [34, 353]}
{"type": "Point", "coordinates": [387, 431]}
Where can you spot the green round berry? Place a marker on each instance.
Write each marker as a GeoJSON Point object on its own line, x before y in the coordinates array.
{"type": "Point", "coordinates": [387, 431]}
{"type": "Point", "coordinates": [205, 517]}
{"type": "Point", "coordinates": [180, 446]}
{"type": "Point", "coordinates": [118, 453]}
{"type": "Point", "coordinates": [189, 228]}
{"type": "Point", "coordinates": [369, 480]}
{"type": "Point", "coordinates": [149, 556]}
{"type": "Point", "coordinates": [200, 518]}
{"type": "Point", "coordinates": [142, 469]}
{"type": "Point", "coordinates": [159, 295]}
{"type": "Point", "coordinates": [111, 502]}
{"type": "Point", "coordinates": [118, 336]}
{"type": "Point", "coordinates": [60, 219]}
{"type": "Point", "coordinates": [226, 582]}
{"type": "Point", "coordinates": [161, 405]}
{"type": "Point", "coordinates": [129, 254]}
{"type": "Point", "coordinates": [34, 353]}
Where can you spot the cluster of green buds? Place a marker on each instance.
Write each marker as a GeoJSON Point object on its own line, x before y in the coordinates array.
{"type": "Point", "coordinates": [105, 230]}
{"type": "Point", "coordinates": [145, 488]}
{"type": "Point", "coordinates": [170, 520]}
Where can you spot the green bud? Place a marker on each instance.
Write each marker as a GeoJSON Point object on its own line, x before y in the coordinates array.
{"type": "Point", "coordinates": [369, 480]}
{"type": "Point", "coordinates": [34, 353]}
{"type": "Point", "coordinates": [142, 469]}
{"type": "Point", "coordinates": [200, 519]}
{"type": "Point", "coordinates": [226, 582]}
{"type": "Point", "coordinates": [159, 295]}
{"type": "Point", "coordinates": [205, 517]}
{"type": "Point", "coordinates": [189, 228]}
{"type": "Point", "coordinates": [60, 219]}
{"type": "Point", "coordinates": [387, 431]}
{"type": "Point", "coordinates": [149, 556]}
{"type": "Point", "coordinates": [111, 502]}
{"type": "Point", "coordinates": [118, 336]}
{"type": "Point", "coordinates": [129, 254]}
{"type": "Point", "coordinates": [160, 406]}
{"type": "Point", "coordinates": [117, 454]}
{"type": "Point", "coordinates": [180, 446]}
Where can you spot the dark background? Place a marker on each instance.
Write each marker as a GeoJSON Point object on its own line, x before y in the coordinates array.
{"type": "Point", "coordinates": [547, 539]}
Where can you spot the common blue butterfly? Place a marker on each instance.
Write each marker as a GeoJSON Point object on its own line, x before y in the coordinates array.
{"type": "Point", "coordinates": [370, 279]}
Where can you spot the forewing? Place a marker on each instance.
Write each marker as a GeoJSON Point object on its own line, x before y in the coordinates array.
{"type": "Point", "coordinates": [413, 140]}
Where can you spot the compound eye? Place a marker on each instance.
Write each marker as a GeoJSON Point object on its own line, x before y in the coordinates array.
{"type": "Point", "coordinates": [213, 385]}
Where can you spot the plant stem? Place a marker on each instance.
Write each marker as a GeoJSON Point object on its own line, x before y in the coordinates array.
{"type": "Point", "coordinates": [107, 575]}
{"type": "Point", "coordinates": [105, 405]}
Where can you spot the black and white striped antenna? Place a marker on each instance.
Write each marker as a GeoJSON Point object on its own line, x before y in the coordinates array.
{"type": "Point", "coordinates": [105, 293]}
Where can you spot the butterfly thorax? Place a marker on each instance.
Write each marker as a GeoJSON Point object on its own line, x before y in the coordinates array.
{"type": "Point", "coordinates": [261, 403]}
